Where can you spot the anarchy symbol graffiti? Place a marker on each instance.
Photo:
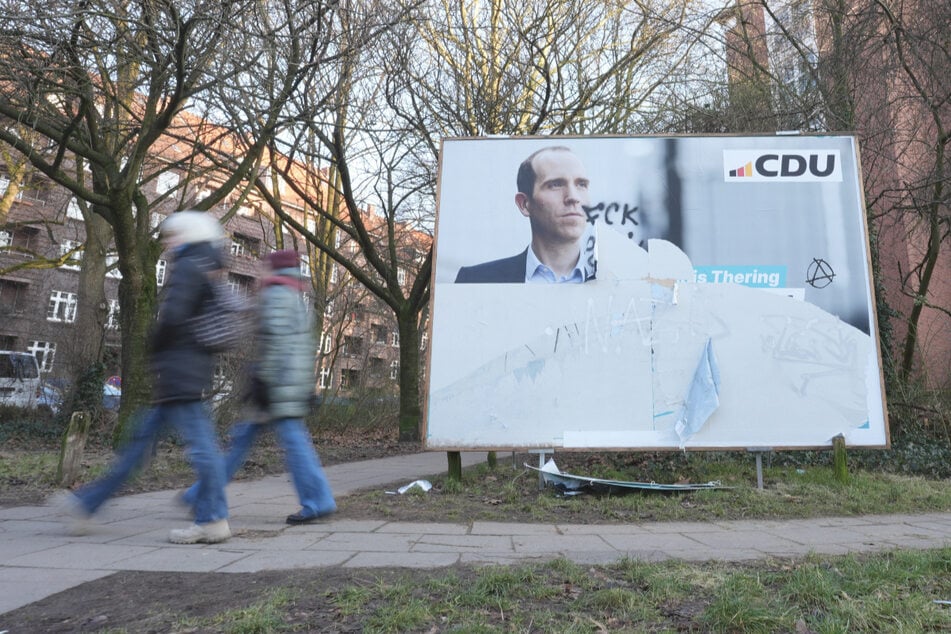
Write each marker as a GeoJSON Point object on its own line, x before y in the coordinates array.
{"type": "Point", "coordinates": [820, 274]}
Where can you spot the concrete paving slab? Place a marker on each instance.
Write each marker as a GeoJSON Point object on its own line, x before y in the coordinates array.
{"type": "Point", "coordinates": [368, 542]}
{"type": "Point", "coordinates": [288, 560]}
{"type": "Point", "coordinates": [23, 586]}
{"type": "Point", "coordinates": [510, 528]}
{"type": "Point", "coordinates": [463, 543]}
{"type": "Point", "coordinates": [402, 560]}
{"type": "Point", "coordinates": [424, 528]}
{"type": "Point", "coordinates": [558, 544]}
{"type": "Point", "coordinates": [757, 540]}
{"type": "Point", "coordinates": [79, 556]}
{"type": "Point", "coordinates": [184, 559]}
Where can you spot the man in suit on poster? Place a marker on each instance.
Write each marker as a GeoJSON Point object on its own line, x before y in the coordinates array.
{"type": "Point", "coordinates": [552, 191]}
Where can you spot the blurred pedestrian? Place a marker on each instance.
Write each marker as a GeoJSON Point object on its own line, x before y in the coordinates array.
{"type": "Point", "coordinates": [182, 374]}
{"type": "Point", "coordinates": [282, 389]}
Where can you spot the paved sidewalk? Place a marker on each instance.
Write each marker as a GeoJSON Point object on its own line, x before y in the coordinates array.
{"type": "Point", "coordinates": [38, 557]}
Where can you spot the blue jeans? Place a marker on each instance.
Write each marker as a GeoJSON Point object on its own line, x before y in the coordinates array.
{"type": "Point", "coordinates": [192, 422]}
{"type": "Point", "coordinates": [310, 481]}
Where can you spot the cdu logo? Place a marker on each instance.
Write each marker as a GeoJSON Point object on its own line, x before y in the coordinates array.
{"type": "Point", "coordinates": [770, 166]}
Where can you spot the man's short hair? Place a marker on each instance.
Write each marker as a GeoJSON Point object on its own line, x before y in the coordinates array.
{"type": "Point", "coordinates": [525, 180]}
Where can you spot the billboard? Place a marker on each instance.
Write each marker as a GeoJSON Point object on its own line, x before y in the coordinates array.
{"type": "Point", "coordinates": [652, 293]}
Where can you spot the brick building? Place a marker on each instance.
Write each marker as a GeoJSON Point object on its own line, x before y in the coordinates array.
{"type": "Point", "coordinates": [41, 252]}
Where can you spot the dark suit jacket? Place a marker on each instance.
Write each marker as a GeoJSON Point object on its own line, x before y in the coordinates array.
{"type": "Point", "coordinates": [505, 271]}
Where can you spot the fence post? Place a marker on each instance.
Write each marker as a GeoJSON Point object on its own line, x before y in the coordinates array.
{"type": "Point", "coordinates": [71, 452]}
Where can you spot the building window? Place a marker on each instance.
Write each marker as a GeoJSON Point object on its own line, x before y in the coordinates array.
{"type": "Point", "coordinates": [12, 297]}
{"type": "Point", "coordinates": [394, 370]}
{"type": "Point", "coordinates": [166, 182]}
{"type": "Point", "coordinates": [352, 346]}
{"type": "Point", "coordinates": [112, 267]}
{"type": "Point", "coordinates": [376, 366]}
{"type": "Point", "coordinates": [160, 268]}
{"type": "Point", "coordinates": [379, 333]}
{"type": "Point", "coordinates": [244, 246]}
{"type": "Point", "coordinates": [304, 266]}
{"type": "Point", "coordinates": [333, 274]}
{"type": "Point", "coordinates": [349, 378]}
{"type": "Point", "coordinates": [324, 381]}
{"type": "Point", "coordinates": [72, 209]}
{"type": "Point", "coordinates": [71, 247]}
{"type": "Point", "coordinates": [202, 194]}
{"type": "Point", "coordinates": [44, 351]}
{"type": "Point", "coordinates": [395, 339]}
{"type": "Point", "coordinates": [326, 341]}
{"type": "Point", "coordinates": [423, 341]}
{"type": "Point", "coordinates": [62, 307]}
{"type": "Point", "coordinates": [112, 319]}
{"type": "Point", "coordinates": [246, 211]}
{"type": "Point", "coordinates": [401, 276]}
{"type": "Point", "coordinates": [329, 308]}
{"type": "Point", "coordinates": [240, 284]}
{"type": "Point", "coordinates": [19, 238]}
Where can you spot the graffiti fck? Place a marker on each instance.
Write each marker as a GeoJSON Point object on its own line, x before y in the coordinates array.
{"type": "Point", "coordinates": [612, 213]}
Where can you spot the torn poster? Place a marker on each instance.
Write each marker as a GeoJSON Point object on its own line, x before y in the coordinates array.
{"type": "Point", "coordinates": [703, 398]}
{"type": "Point", "coordinates": [569, 482]}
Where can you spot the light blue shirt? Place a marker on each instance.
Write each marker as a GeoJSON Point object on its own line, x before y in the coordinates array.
{"type": "Point", "coordinates": [538, 273]}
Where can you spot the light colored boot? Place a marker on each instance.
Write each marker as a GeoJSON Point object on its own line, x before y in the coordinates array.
{"type": "Point", "coordinates": [66, 503]}
{"type": "Point", "coordinates": [210, 533]}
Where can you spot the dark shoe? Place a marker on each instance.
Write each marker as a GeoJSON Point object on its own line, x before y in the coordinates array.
{"type": "Point", "coordinates": [300, 518]}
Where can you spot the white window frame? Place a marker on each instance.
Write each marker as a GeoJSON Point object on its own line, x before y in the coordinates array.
{"type": "Point", "coordinates": [72, 209]}
{"type": "Point", "coordinates": [44, 351]}
{"type": "Point", "coordinates": [61, 307]}
{"type": "Point", "coordinates": [112, 319]}
{"type": "Point", "coordinates": [395, 339]}
{"type": "Point", "coordinates": [73, 263]}
{"type": "Point", "coordinates": [166, 182]}
{"type": "Point", "coordinates": [326, 375]}
{"type": "Point", "coordinates": [326, 342]}
{"type": "Point", "coordinates": [305, 265]}
{"type": "Point", "coordinates": [401, 276]}
{"type": "Point", "coordinates": [394, 370]}
{"type": "Point", "coordinates": [6, 239]}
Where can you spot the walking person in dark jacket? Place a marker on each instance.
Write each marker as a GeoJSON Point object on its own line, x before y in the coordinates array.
{"type": "Point", "coordinates": [182, 374]}
{"type": "Point", "coordinates": [282, 388]}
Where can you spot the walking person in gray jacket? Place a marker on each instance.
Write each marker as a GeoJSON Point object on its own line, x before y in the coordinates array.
{"type": "Point", "coordinates": [282, 387]}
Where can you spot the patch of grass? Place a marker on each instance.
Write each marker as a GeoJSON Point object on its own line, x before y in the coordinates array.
{"type": "Point", "coordinates": [262, 617]}
{"type": "Point", "coordinates": [504, 494]}
{"type": "Point", "coordinates": [885, 592]}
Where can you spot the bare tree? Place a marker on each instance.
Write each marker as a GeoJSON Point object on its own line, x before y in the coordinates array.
{"type": "Point", "coordinates": [106, 83]}
{"type": "Point", "coordinates": [460, 68]}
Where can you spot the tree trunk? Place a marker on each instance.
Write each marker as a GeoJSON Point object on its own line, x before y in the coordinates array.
{"type": "Point", "coordinates": [410, 411]}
